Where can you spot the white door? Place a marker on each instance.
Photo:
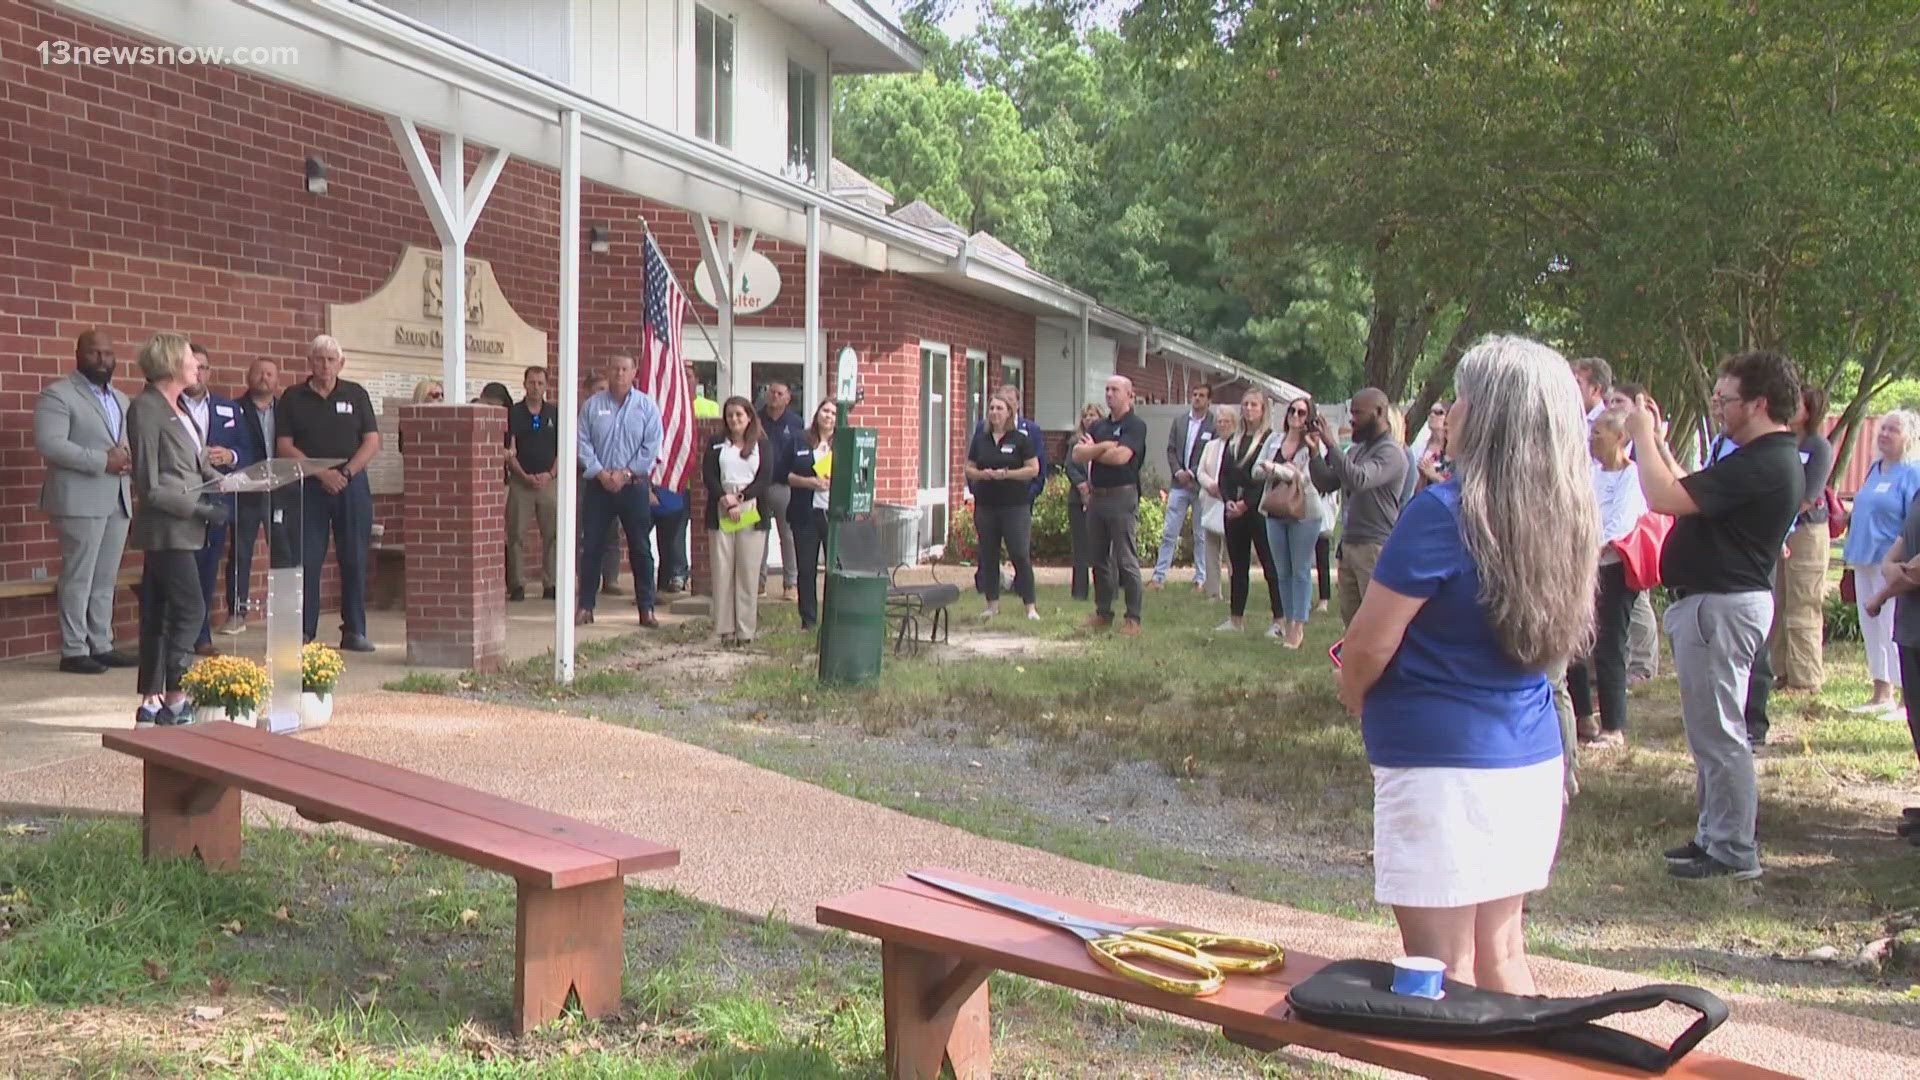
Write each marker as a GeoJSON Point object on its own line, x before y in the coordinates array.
{"type": "Point", "coordinates": [936, 424]}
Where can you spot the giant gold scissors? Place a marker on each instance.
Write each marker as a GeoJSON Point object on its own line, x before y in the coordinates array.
{"type": "Point", "coordinates": [1111, 945]}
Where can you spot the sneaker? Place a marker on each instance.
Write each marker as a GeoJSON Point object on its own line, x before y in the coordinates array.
{"type": "Point", "coordinates": [1130, 627]}
{"type": "Point", "coordinates": [169, 718]}
{"type": "Point", "coordinates": [1321, 606]}
{"type": "Point", "coordinates": [1228, 628]}
{"type": "Point", "coordinates": [82, 665]}
{"type": "Point", "coordinates": [234, 628]}
{"type": "Point", "coordinates": [516, 594]}
{"type": "Point", "coordinates": [1873, 707]}
{"type": "Point", "coordinates": [355, 643]}
{"type": "Point", "coordinates": [1033, 616]}
{"type": "Point", "coordinates": [145, 717]}
{"type": "Point", "coordinates": [116, 658]}
{"type": "Point", "coordinates": [1686, 852]}
{"type": "Point", "coordinates": [1706, 866]}
{"type": "Point", "coordinates": [1274, 633]}
{"type": "Point", "coordinates": [988, 614]}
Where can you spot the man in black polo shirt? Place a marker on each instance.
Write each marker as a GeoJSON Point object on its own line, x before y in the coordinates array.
{"type": "Point", "coordinates": [533, 431]}
{"type": "Point", "coordinates": [328, 418]}
{"type": "Point", "coordinates": [1731, 520]}
{"type": "Point", "coordinates": [1112, 452]}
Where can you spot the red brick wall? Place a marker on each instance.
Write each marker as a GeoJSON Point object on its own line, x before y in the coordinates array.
{"type": "Point", "coordinates": [172, 198]}
{"type": "Point", "coordinates": [456, 530]}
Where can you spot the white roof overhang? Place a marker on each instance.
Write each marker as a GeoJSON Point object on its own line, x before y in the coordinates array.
{"type": "Point", "coordinates": [859, 38]}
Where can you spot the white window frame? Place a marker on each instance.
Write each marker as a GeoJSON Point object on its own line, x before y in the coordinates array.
{"type": "Point", "coordinates": [976, 389]}
{"type": "Point", "coordinates": [935, 477]}
{"type": "Point", "coordinates": [800, 171]}
{"type": "Point", "coordinates": [722, 129]}
{"type": "Point", "coordinates": [1017, 368]}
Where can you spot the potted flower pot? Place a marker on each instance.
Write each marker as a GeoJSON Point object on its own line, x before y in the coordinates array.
{"type": "Point", "coordinates": [203, 714]}
{"type": "Point", "coordinates": [315, 710]}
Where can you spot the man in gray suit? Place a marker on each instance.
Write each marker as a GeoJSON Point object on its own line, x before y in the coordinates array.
{"type": "Point", "coordinates": [1187, 439]}
{"type": "Point", "coordinates": [79, 429]}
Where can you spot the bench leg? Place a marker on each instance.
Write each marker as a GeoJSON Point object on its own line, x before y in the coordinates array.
{"type": "Point", "coordinates": [936, 1011]}
{"type": "Point", "coordinates": [183, 816]}
{"type": "Point", "coordinates": [567, 939]}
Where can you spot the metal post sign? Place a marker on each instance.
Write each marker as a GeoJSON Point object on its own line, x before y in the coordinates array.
{"type": "Point", "coordinates": [856, 454]}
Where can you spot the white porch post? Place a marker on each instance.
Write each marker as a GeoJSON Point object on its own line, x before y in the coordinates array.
{"type": "Point", "coordinates": [814, 379]}
{"type": "Point", "coordinates": [566, 576]}
{"type": "Point", "coordinates": [453, 203]}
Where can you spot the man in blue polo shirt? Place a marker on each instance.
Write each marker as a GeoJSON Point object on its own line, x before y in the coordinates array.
{"type": "Point", "coordinates": [620, 435]}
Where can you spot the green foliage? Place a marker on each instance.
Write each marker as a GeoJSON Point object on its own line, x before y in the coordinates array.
{"type": "Point", "coordinates": [1052, 542]}
{"type": "Point", "coordinates": [1842, 619]}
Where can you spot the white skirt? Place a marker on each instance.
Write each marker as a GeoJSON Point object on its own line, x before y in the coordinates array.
{"type": "Point", "coordinates": [1445, 837]}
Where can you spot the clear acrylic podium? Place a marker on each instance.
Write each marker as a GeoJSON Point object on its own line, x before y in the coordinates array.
{"type": "Point", "coordinates": [280, 481]}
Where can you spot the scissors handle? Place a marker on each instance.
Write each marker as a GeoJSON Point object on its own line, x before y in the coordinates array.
{"type": "Point", "coordinates": [1232, 955]}
{"type": "Point", "coordinates": [1111, 952]}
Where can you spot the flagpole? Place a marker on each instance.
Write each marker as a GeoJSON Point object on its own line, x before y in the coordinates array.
{"type": "Point", "coordinates": [675, 278]}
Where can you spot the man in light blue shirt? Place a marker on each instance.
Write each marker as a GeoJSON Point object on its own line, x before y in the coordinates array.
{"type": "Point", "coordinates": [620, 436]}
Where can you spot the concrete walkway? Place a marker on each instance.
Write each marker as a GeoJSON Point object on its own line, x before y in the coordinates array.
{"type": "Point", "coordinates": [761, 843]}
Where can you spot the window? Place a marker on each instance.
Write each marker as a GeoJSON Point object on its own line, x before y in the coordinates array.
{"type": "Point", "coordinates": [976, 389]}
{"type": "Point", "coordinates": [1013, 372]}
{"type": "Point", "coordinates": [935, 425]}
{"type": "Point", "coordinates": [713, 67]}
{"type": "Point", "coordinates": [803, 123]}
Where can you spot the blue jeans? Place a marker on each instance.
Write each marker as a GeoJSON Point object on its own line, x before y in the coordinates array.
{"type": "Point", "coordinates": [1293, 543]}
{"type": "Point", "coordinates": [633, 508]}
{"type": "Point", "coordinates": [1179, 501]}
{"type": "Point", "coordinates": [346, 518]}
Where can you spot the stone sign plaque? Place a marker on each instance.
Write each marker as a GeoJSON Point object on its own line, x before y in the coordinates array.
{"type": "Point", "coordinates": [393, 338]}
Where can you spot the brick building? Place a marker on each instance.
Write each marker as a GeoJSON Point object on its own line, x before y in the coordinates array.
{"type": "Point", "coordinates": [145, 196]}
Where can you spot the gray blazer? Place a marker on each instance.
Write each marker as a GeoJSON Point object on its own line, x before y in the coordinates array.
{"type": "Point", "coordinates": [1177, 444]}
{"type": "Point", "coordinates": [72, 433]}
{"type": "Point", "coordinates": [167, 463]}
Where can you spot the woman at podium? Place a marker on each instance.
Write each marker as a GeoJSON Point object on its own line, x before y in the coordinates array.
{"type": "Point", "coordinates": [169, 524]}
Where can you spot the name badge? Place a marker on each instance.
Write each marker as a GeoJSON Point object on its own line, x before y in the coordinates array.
{"type": "Point", "coordinates": [1883, 487]}
{"type": "Point", "coordinates": [1205, 435]}
{"type": "Point", "coordinates": [223, 410]}
{"type": "Point", "coordinates": [343, 407]}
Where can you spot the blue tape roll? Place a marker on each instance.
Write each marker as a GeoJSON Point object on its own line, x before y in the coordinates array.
{"type": "Point", "coordinates": [1419, 976]}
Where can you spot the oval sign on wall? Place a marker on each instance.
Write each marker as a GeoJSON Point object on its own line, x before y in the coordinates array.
{"type": "Point", "coordinates": [757, 288]}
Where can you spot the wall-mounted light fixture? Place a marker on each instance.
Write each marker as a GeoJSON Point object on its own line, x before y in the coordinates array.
{"type": "Point", "coordinates": [599, 239]}
{"type": "Point", "coordinates": [316, 176]}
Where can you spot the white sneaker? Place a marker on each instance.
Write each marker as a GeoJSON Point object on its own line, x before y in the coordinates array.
{"type": "Point", "coordinates": [1033, 616]}
{"type": "Point", "coordinates": [1228, 627]}
{"type": "Point", "coordinates": [1273, 632]}
{"type": "Point", "coordinates": [988, 614]}
{"type": "Point", "coordinates": [234, 627]}
{"type": "Point", "coordinates": [1873, 707]}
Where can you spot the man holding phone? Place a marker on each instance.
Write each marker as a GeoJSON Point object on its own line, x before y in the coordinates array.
{"type": "Point", "coordinates": [1370, 479]}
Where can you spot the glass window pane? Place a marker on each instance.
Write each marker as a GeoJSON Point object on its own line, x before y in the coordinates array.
{"type": "Point", "coordinates": [703, 73]}
{"type": "Point", "coordinates": [723, 81]}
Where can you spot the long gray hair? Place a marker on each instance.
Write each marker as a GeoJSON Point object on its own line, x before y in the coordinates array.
{"type": "Point", "coordinates": [1527, 509]}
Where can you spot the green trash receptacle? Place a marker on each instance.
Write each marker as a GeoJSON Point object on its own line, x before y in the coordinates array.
{"type": "Point", "coordinates": [853, 627]}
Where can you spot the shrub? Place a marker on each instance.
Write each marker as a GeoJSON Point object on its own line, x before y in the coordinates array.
{"type": "Point", "coordinates": [1842, 619]}
{"type": "Point", "coordinates": [1053, 533]}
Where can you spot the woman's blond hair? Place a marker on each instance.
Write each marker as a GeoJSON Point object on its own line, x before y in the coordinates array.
{"type": "Point", "coordinates": [163, 357]}
{"type": "Point", "coordinates": [1527, 511]}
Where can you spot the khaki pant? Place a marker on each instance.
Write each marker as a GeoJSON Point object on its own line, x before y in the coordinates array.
{"type": "Point", "coordinates": [1356, 572]}
{"type": "Point", "coordinates": [1800, 608]}
{"type": "Point", "coordinates": [541, 503]}
{"type": "Point", "coordinates": [737, 559]}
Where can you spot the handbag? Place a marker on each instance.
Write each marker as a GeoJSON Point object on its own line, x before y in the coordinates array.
{"type": "Point", "coordinates": [1213, 518]}
{"type": "Point", "coordinates": [1284, 498]}
{"type": "Point", "coordinates": [1849, 592]}
{"type": "Point", "coordinates": [1837, 516]}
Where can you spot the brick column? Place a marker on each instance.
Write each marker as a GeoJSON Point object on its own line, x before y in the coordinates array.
{"type": "Point", "coordinates": [456, 535]}
{"type": "Point", "coordinates": [699, 544]}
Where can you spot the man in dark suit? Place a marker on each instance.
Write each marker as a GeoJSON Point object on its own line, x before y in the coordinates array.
{"type": "Point", "coordinates": [255, 445]}
{"type": "Point", "coordinates": [1010, 394]}
{"type": "Point", "coordinates": [1187, 439]}
{"type": "Point", "coordinates": [220, 430]}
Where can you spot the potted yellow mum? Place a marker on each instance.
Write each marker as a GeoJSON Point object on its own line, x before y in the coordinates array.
{"type": "Point", "coordinates": [320, 669]}
{"type": "Point", "coordinates": [226, 688]}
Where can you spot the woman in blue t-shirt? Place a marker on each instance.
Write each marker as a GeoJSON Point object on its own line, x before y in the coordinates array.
{"type": "Point", "coordinates": [1486, 583]}
{"type": "Point", "coordinates": [1879, 508]}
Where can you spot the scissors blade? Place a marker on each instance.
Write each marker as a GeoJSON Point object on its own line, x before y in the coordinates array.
{"type": "Point", "coordinates": [1031, 910]}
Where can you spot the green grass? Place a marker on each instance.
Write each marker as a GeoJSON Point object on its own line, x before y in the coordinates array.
{"type": "Point", "coordinates": [1263, 724]}
{"type": "Point", "coordinates": [420, 682]}
{"type": "Point", "coordinates": [333, 957]}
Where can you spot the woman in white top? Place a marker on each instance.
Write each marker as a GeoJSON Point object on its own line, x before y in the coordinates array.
{"type": "Point", "coordinates": [1293, 539]}
{"type": "Point", "coordinates": [1616, 483]}
{"type": "Point", "coordinates": [736, 470]}
{"type": "Point", "coordinates": [1212, 516]}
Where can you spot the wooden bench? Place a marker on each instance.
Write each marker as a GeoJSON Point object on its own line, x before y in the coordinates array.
{"type": "Point", "coordinates": [127, 578]}
{"type": "Point", "coordinates": [937, 950]}
{"type": "Point", "coordinates": [571, 873]}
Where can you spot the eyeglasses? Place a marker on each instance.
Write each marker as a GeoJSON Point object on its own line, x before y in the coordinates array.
{"type": "Point", "coordinates": [1724, 400]}
{"type": "Point", "coordinates": [436, 396]}
{"type": "Point", "coordinates": [1296, 412]}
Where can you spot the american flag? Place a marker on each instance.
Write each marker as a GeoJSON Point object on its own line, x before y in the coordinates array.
{"type": "Point", "coordinates": [664, 309]}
